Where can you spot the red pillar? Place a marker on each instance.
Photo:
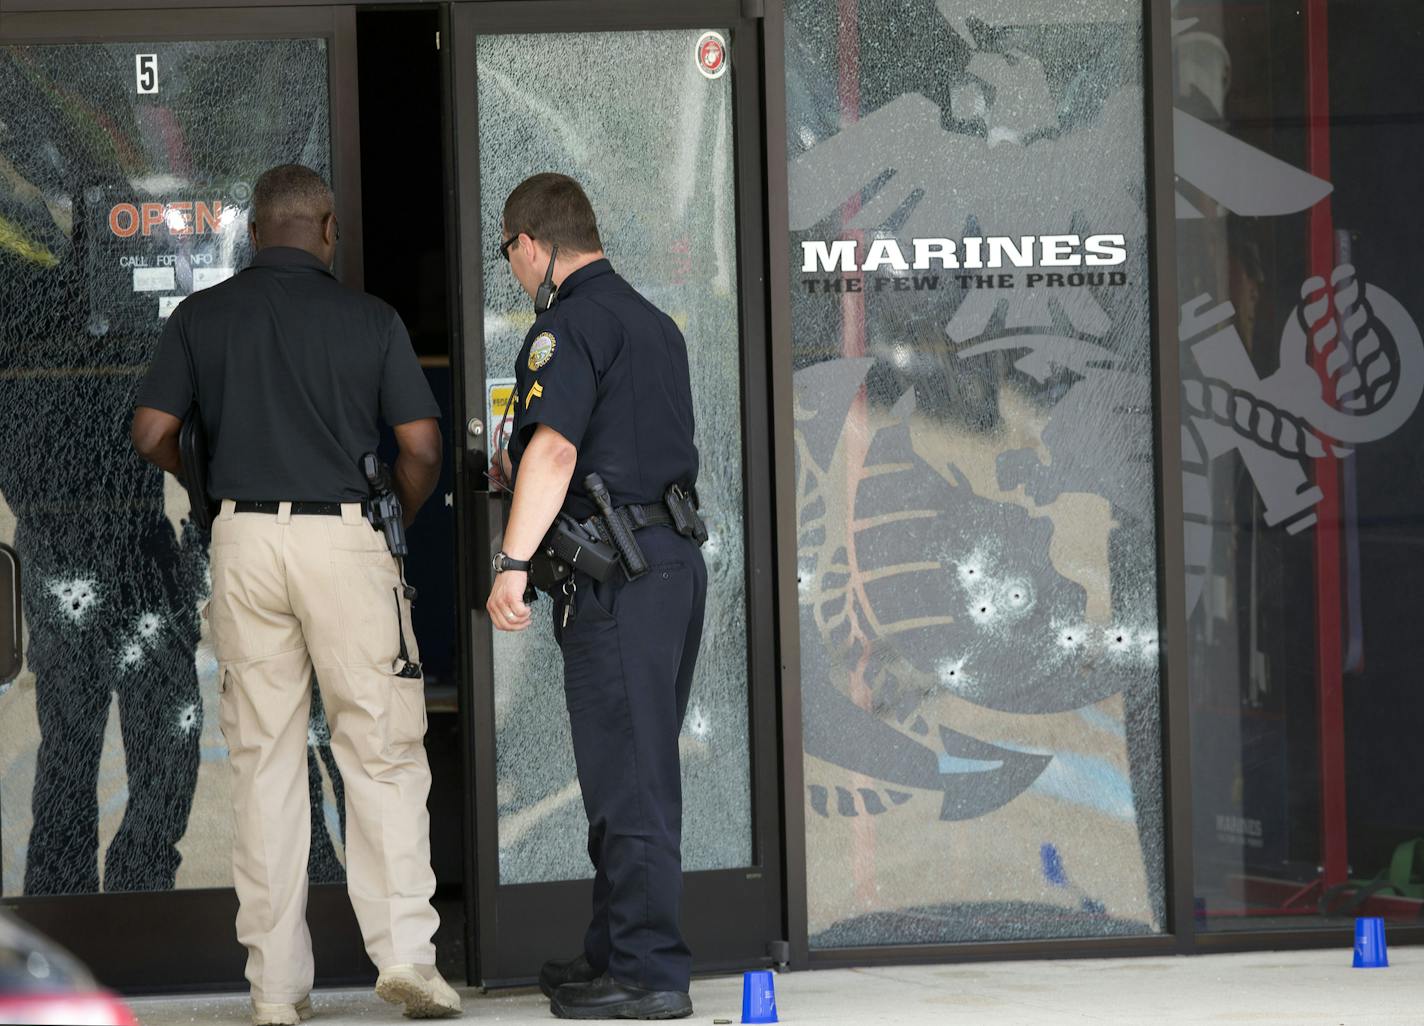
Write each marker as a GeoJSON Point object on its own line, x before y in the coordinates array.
{"type": "Point", "coordinates": [1328, 593]}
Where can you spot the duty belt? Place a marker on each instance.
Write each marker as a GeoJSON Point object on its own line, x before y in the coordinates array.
{"type": "Point", "coordinates": [651, 515]}
{"type": "Point", "coordinates": [299, 509]}
{"type": "Point", "coordinates": [600, 544]}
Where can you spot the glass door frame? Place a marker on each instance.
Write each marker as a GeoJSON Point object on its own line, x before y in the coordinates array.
{"type": "Point", "coordinates": [184, 938]}
{"type": "Point", "coordinates": [730, 914]}
{"type": "Point", "coordinates": [1178, 936]}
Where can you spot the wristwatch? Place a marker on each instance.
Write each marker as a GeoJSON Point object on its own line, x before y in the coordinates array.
{"type": "Point", "coordinates": [502, 561]}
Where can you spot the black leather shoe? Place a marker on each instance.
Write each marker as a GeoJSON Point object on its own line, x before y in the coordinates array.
{"type": "Point", "coordinates": [555, 974]}
{"type": "Point", "coordinates": [606, 998]}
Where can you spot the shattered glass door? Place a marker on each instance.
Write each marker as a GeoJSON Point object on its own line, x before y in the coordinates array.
{"type": "Point", "coordinates": [649, 136]}
{"type": "Point", "coordinates": [976, 509]}
{"type": "Point", "coordinates": [125, 174]}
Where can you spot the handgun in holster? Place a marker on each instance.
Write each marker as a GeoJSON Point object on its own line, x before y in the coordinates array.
{"type": "Point", "coordinates": [569, 546]}
{"type": "Point", "coordinates": [193, 456]}
{"type": "Point", "coordinates": [383, 510]}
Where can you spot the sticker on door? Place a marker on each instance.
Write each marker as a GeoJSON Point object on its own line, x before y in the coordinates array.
{"type": "Point", "coordinates": [711, 54]}
{"type": "Point", "coordinates": [499, 401]}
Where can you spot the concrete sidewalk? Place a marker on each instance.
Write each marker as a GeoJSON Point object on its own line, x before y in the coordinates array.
{"type": "Point", "coordinates": [1313, 988]}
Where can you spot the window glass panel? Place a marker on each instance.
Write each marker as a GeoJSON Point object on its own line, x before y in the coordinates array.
{"type": "Point", "coordinates": [125, 175]}
{"type": "Point", "coordinates": [976, 509]}
{"type": "Point", "coordinates": [1297, 129]}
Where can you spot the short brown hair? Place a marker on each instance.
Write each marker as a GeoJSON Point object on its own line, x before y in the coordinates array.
{"type": "Point", "coordinates": [555, 210]}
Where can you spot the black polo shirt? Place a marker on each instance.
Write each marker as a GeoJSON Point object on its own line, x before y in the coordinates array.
{"type": "Point", "coordinates": [294, 372]}
{"type": "Point", "coordinates": [608, 370]}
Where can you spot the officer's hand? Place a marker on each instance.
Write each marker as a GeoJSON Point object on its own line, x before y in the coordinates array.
{"type": "Point", "coordinates": [499, 469]}
{"type": "Point", "coordinates": [506, 601]}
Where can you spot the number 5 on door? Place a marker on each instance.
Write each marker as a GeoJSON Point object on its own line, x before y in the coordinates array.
{"type": "Point", "coordinates": [146, 72]}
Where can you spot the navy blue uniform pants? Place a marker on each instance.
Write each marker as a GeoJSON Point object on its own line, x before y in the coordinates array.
{"type": "Point", "coordinates": [629, 655]}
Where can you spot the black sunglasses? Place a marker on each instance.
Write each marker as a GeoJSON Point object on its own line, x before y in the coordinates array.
{"type": "Point", "coordinates": [506, 244]}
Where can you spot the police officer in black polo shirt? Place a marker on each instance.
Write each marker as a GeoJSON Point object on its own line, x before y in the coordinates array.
{"type": "Point", "coordinates": [604, 388]}
{"type": "Point", "coordinates": [292, 374]}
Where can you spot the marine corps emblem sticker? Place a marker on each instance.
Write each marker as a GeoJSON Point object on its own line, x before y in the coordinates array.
{"type": "Point", "coordinates": [541, 350]}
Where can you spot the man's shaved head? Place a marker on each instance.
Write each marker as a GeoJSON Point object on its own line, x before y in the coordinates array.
{"type": "Point", "coordinates": [293, 206]}
{"type": "Point", "coordinates": [290, 193]}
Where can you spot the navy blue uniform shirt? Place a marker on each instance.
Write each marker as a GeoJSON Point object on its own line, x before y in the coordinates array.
{"type": "Point", "coordinates": [608, 370]}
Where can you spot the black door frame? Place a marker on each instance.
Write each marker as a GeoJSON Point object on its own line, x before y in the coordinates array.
{"type": "Point", "coordinates": [508, 933]}
{"type": "Point", "coordinates": [184, 939]}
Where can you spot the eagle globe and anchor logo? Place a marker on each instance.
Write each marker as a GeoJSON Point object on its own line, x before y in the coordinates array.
{"type": "Point", "coordinates": [711, 54]}
{"type": "Point", "coordinates": [990, 618]}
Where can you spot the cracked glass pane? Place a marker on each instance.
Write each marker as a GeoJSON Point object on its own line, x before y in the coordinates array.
{"type": "Point", "coordinates": [976, 536]}
{"type": "Point", "coordinates": [669, 227]}
{"type": "Point", "coordinates": [125, 171]}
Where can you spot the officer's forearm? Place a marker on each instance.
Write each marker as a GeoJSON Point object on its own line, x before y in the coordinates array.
{"type": "Point", "coordinates": [155, 437]}
{"type": "Point", "coordinates": [167, 457]}
{"type": "Point", "coordinates": [545, 471]}
{"type": "Point", "coordinates": [414, 480]}
{"type": "Point", "coordinates": [417, 469]}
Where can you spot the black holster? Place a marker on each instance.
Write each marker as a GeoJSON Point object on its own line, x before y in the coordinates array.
{"type": "Point", "coordinates": [683, 508]}
{"type": "Point", "coordinates": [570, 546]}
{"type": "Point", "coordinates": [383, 509]}
{"type": "Point", "coordinates": [193, 454]}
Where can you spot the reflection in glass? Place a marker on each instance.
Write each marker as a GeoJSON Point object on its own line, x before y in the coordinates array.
{"type": "Point", "coordinates": [113, 206]}
{"type": "Point", "coordinates": [650, 139]}
{"type": "Point", "coordinates": [976, 541]}
{"type": "Point", "coordinates": [1302, 369]}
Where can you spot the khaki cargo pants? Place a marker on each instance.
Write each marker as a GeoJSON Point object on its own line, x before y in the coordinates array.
{"type": "Point", "coordinates": [293, 593]}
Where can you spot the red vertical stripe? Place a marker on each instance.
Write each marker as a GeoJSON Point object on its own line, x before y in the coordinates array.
{"type": "Point", "coordinates": [1330, 687]}
{"type": "Point", "coordinates": [848, 40]}
{"type": "Point", "coordinates": [856, 436]}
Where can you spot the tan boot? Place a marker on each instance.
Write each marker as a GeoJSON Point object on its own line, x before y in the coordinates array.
{"type": "Point", "coordinates": [275, 1013]}
{"type": "Point", "coordinates": [421, 989]}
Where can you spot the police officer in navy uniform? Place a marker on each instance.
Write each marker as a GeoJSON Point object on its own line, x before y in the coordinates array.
{"type": "Point", "coordinates": [603, 387]}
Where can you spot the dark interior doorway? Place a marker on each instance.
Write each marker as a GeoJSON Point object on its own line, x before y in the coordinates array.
{"type": "Point", "coordinates": [405, 218]}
